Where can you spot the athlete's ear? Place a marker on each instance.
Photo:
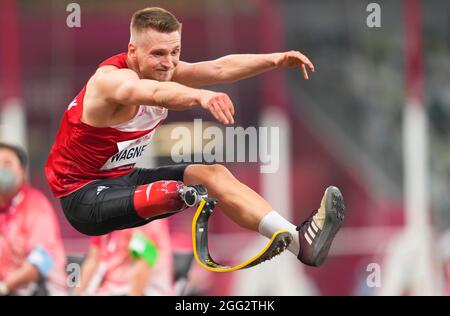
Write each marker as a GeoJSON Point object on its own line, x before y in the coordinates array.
{"type": "Point", "coordinates": [132, 50]}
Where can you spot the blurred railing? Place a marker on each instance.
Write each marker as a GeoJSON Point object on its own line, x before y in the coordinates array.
{"type": "Point", "coordinates": [356, 96]}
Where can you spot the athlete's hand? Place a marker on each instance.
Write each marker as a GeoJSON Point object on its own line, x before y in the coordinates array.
{"type": "Point", "coordinates": [219, 104]}
{"type": "Point", "coordinates": [294, 58]}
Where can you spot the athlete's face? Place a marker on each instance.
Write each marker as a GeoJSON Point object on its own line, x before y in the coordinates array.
{"type": "Point", "coordinates": [157, 54]}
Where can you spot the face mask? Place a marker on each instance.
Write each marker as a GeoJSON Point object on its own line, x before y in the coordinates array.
{"type": "Point", "coordinates": [8, 180]}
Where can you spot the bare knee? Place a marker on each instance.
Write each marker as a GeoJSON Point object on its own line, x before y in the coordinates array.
{"type": "Point", "coordinates": [218, 172]}
{"type": "Point", "coordinates": [215, 177]}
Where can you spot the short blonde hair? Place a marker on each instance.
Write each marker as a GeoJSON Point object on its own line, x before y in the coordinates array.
{"type": "Point", "coordinates": [154, 18]}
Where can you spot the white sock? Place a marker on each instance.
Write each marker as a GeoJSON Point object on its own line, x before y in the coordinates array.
{"type": "Point", "coordinates": [273, 222]}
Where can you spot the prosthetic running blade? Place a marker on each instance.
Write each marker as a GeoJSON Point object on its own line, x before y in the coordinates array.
{"type": "Point", "coordinates": [277, 244]}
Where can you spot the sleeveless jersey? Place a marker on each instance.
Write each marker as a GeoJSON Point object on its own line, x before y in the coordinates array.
{"type": "Point", "coordinates": [83, 153]}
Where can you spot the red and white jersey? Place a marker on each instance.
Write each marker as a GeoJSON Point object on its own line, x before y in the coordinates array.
{"type": "Point", "coordinates": [83, 153]}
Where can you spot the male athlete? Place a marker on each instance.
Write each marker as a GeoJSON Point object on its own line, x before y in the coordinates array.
{"type": "Point", "coordinates": [111, 121]}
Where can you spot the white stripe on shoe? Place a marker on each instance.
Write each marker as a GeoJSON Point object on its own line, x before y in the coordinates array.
{"type": "Point", "coordinates": [311, 233]}
{"type": "Point", "coordinates": [314, 226]}
{"type": "Point", "coordinates": [307, 238]}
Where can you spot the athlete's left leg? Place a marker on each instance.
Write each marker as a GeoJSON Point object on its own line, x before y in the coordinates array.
{"type": "Point", "coordinates": [311, 240]}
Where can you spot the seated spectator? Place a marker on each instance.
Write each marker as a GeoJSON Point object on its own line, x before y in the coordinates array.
{"type": "Point", "coordinates": [31, 252]}
{"type": "Point", "coordinates": [135, 261]}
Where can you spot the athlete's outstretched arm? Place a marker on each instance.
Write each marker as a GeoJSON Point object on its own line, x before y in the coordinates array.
{"type": "Point", "coordinates": [232, 68]}
{"type": "Point", "coordinates": [123, 86]}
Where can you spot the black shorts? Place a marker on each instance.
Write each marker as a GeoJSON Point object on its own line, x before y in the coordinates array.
{"type": "Point", "coordinates": [103, 206]}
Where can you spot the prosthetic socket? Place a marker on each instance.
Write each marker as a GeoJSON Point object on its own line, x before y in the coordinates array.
{"type": "Point", "coordinates": [165, 197]}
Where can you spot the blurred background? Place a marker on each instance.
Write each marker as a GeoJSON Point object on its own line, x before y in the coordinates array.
{"type": "Point", "coordinates": [374, 120]}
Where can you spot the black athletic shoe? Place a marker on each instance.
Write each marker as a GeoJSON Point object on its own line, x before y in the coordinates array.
{"type": "Point", "coordinates": [317, 233]}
